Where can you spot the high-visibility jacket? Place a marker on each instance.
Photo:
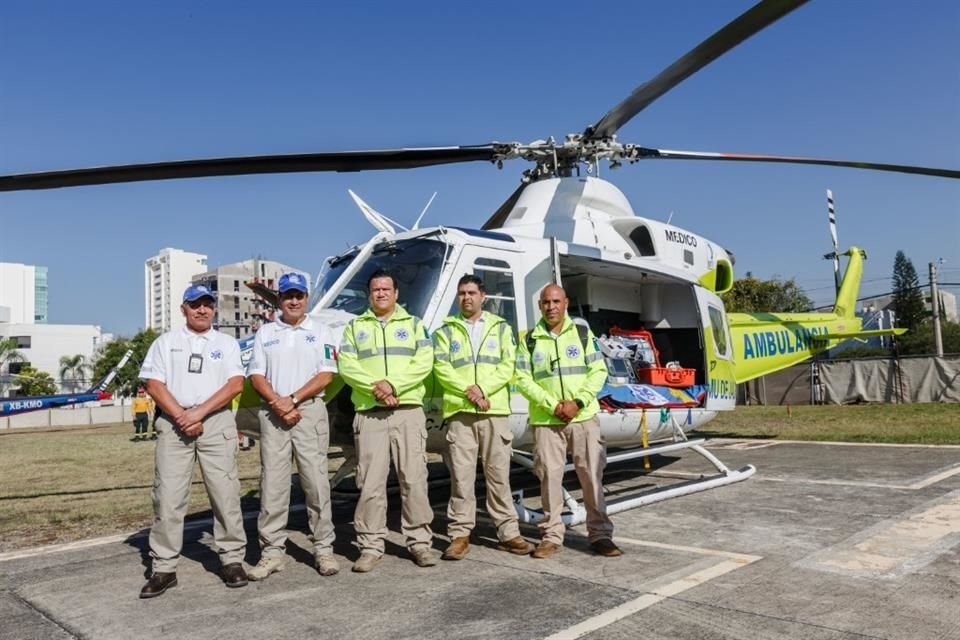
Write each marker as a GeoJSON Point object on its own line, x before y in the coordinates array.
{"type": "Point", "coordinates": [141, 405]}
{"type": "Point", "coordinates": [560, 368]}
{"type": "Point", "coordinates": [457, 367]}
{"type": "Point", "coordinates": [399, 352]}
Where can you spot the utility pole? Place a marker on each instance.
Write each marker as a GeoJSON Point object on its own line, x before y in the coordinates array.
{"type": "Point", "coordinates": [935, 306]}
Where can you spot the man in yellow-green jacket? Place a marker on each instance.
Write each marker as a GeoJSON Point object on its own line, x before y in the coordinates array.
{"type": "Point", "coordinates": [475, 353]}
{"type": "Point", "coordinates": [385, 356]}
{"type": "Point", "coordinates": [560, 370]}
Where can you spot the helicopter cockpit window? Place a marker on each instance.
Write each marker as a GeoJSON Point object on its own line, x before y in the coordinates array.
{"type": "Point", "coordinates": [719, 328]}
{"type": "Point", "coordinates": [415, 263]}
{"type": "Point", "coordinates": [498, 281]}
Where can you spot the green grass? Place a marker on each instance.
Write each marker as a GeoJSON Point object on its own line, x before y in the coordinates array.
{"type": "Point", "coordinates": [882, 423]}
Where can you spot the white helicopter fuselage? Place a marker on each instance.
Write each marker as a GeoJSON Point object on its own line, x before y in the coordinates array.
{"type": "Point", "coordinates": [618, 270]}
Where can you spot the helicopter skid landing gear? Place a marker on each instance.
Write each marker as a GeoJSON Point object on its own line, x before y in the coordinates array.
{"type": "Point", "coordinates": [577, 514]}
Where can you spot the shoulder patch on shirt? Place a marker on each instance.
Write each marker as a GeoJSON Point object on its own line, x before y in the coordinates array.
{"type": "Point", "coordinates": [329, 352]}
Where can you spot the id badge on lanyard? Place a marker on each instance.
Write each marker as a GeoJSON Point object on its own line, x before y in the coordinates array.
{"type": "Point", "coordinates": [195, 363]}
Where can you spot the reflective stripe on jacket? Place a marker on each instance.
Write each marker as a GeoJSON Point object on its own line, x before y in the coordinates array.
{"type": "Point", "coordinates": [457, 367]}
{"type": "Point", "coordinates": [400, 353]}
{"type": "Point", "coordinates": [559, 370]}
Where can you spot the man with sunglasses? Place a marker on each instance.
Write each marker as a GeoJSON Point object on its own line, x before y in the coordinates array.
{"type": "Point", "coordinates": [193, 374]}
{"type": "Point", "coordinates": [561, 372]}
{"type": "Point", "coordinates": [291, 365]}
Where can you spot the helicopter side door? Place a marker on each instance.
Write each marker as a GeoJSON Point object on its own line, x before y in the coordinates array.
{"type": "Point", "coordinates": [717, 352]}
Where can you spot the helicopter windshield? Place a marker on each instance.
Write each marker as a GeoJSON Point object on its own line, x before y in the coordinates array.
{"type": "Point", "coordinates": [415, 264]}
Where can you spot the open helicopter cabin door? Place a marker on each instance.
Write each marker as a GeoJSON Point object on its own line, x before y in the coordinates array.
{"type": "Point", "coordinates": [635, 312]}
{"type": "Point", "coordinates": [718, 351]}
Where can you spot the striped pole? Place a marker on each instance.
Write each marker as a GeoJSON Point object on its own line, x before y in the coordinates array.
{"type": "Point", "coordinates": [832, 214]}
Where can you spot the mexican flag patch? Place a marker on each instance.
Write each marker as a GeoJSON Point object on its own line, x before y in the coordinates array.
{"type": "Point", "coordinates": [329, 352]}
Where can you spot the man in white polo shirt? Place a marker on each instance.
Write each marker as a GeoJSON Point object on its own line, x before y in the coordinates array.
{"type": "Point", "coordinates": [193, 374]}
{"type": "Point", "coordinates": [291, 365]}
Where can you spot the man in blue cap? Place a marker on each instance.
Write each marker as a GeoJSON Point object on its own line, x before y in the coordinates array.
{"type": "Point", "coordinates": [193, 374]}
{"type": "Point", "coordinates": [292, 363]}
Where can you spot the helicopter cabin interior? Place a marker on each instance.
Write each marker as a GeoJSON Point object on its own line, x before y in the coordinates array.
{"type": "Point", "coordinates": [609, 295]}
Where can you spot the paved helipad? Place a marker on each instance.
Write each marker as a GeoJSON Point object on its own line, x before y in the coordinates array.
{"type": "Point", "coordinates": [825, 541]}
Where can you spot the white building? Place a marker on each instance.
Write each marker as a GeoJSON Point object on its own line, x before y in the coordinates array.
{"type": "Point", "coordinates": [23, 293]}
{"type": "Point", "coordinates": [42, 346]}
{"type": "Point", "coordinates": [948, 303]}
{"type": "Point", "coordinates": [240, 312]}
{"type": "Point", "coordinates": [165, 276]}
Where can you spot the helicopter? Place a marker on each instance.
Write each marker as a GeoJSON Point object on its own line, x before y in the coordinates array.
{"type": "Point", "coordinates": [566, 225]}
{"type": "Point", "coordinates": [12, 407]}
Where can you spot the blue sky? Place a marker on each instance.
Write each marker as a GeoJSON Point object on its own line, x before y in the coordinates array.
{"type": "Point", "coordinates": [97, 83]}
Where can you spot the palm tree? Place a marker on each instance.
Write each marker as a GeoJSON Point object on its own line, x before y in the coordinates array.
{"type": "Point", "coordinates": [8, 355]}
{"type": "Point", "coordinates": [73, 370]}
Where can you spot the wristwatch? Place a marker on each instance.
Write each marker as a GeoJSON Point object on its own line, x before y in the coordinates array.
{"type": "Point", "coordinates": [577, 402]}
{"type": "Point", "coordinates": [293, 397]}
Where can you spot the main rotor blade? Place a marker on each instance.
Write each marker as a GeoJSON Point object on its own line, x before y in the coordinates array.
{"type": "Point", "coordinates": [293, 163]}
{"type": "Point", "coordinates": [669, 154]}
{"type": "Point", "coordinates": [753, 20]}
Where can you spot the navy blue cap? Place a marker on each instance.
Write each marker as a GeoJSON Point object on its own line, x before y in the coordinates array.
{"type": "Point", "coordinates": [197, 291]}
{"type": "Point", "coordinates": [292, 282]}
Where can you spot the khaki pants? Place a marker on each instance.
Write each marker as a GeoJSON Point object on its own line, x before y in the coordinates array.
{"type": "Point", "coordinates": [400, 434]}
{"type": "Point", "coordinates": [489, 436]}
{"type": "Point", "coordinates": [308, 441]}
{"type": "Point", "coordinates": [216, 449]}
{"type": "Point", "coordinates": [583, 441]}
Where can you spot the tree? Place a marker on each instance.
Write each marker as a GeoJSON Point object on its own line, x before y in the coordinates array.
{"type": "Point", "coordinates": [128, 378]}
{"type": "Point", "coordinates": [750, 295]}
{"type": "Point", "coordinates": [73, 371]}
{"type": "Point", "coordinates": [919, 341]}
{"type": "Point", "coordinates": [8, 356]}
{"type": "Point", "coordinates": [907, 297]}
{"type": "Point", "coordinates": [35, 383]}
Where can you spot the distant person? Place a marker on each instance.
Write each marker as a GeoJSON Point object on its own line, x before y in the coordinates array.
{"type": "Point", "coordinates": [561, 373]}
{"type": "Point", "coordinates": [474, 359]}
{"type": "Point", "coordinates": [193, 374]}
{"type": "Point", "coordinates": [141, 409]}
{"type": "Point", "coordinates": [385, 356]}
{"type": "Point", "coordinates": [292, 363]}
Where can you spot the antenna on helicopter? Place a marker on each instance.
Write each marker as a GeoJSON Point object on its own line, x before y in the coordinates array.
{"type": "Point", "coordinates": [416, 225]}
{"type": "Point", "coordinates": [670, 217]}
{"type": "Point", "coordinates": [379, 221]}
{"type": "Point", "coordinates": [834, 255]}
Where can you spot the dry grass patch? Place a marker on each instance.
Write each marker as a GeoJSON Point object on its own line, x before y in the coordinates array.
{"type": "Point", "coordinates": [68, 484]}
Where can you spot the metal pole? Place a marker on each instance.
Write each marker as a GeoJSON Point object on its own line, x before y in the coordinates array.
{"type": "Point", "coordinates": [935, 306]}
